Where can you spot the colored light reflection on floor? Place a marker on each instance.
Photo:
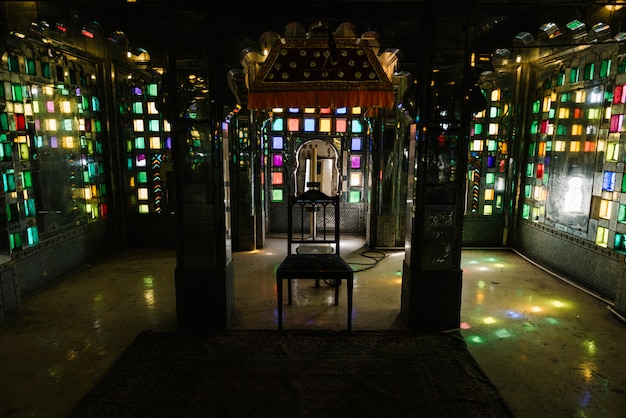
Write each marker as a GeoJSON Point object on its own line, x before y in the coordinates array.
{"type": "Point", "coordinates": [503, 333]}
{"type": "Point", "coordinates": [590, 346]}
{"type": "Point", "coordinates": [513, 314]}
{"type": "Point", "coordinates": [476, 339]}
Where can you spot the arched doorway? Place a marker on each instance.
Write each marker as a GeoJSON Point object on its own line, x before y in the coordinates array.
{"type": "Point", "coordinates": [337, 88]}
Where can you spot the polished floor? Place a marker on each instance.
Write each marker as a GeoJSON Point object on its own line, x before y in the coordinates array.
{"type": "Point", "coordinates": [552, 349]}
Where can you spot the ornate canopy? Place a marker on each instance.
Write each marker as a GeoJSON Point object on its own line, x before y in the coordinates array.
{"type": "Point", "coordinates": [319, 72]}
{"type": "Point", "coordinates": [302, 73]}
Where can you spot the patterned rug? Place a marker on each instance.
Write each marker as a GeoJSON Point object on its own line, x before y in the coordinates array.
{"type": "Point", "coordinates": [295, 374]}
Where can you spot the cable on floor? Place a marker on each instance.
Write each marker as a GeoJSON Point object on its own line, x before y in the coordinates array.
{"type": "Point", "coordinates": [365, 253]}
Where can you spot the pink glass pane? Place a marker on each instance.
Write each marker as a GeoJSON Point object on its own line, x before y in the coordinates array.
{"type": "Point", "coordinates": [293, 124]}
{"type": "Point", "coordinates": [277, 160]}
{"type": "Point", "coordinates": [341, 125]}
{"type": "Point", "coordinates": [277, 178]}
{"type": "Point", "coordinates": [355, 161]}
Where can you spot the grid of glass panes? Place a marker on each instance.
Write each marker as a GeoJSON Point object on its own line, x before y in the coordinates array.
{"type": "Point", "coordinates": [574, 119]}
{"type": "Point", "coordinates": [17, 179]}
{"type": "Point", "coordinates": [613, 201]}
{"type": "Point", "coordinates": [148, 153]}
{"type": "Point", "coordinates": [60, 121]}
{"type": "Point", "coordinates": [345, 122]}
{"type": "Point", "coordinates": [488, 151]}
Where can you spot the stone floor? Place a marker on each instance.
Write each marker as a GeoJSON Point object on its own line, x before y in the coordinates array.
{"type": "Point", "coordinates": [552, 349]}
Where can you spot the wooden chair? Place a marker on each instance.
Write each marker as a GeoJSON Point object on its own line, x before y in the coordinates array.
{"type": "Point", "coordinates": [316, 231]}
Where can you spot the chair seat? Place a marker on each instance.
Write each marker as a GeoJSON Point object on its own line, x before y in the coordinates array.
{"type": "Point", "coordinates": [313, 266]}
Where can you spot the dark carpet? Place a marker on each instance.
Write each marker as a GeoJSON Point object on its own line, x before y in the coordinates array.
{"type": "Point", "coordinates": [295, 374]}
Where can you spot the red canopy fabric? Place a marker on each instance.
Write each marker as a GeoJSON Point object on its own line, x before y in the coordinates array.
{"type": "Point", "coordinates": [304, 73]}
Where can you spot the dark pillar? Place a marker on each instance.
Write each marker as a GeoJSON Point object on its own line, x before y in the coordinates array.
{"type": "Point", "coordinates": [204, 269]}
{"type": "Point", "coordinates": [432, 276]}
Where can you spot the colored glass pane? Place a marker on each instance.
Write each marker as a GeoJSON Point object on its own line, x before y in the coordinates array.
{"type": "Point", "coordinates": [277, 160]}
{"type": "Point", "coordinates": [354, 196]}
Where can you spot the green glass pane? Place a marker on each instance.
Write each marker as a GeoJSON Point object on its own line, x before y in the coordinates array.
{"type": "Point", "coordinates": [527, 190]}
{"type": "Point", "coordinates": [560, 80]}
{"type": "Point", "coordinates": [490, 178]}
{"type": "Point", "coordinates": [621, 213]}
{"type": "Point", "coordinates": [45, 69]}
{"type": "Point", "coordinates": [31, 68]}
{"type": "Point", "coordinates": [492, 145]}
{"type": "Point", "coordinates": [10, 182]}
{"type": "Point", "coordinates": [526, 212]}
{"type": "Point", "coordinates": [33, 236]}
{"type": "Point", "coordinates": [153, 90]}
{"type": "Point", "coordinates": [277, 195]}
{"type": "Point", "coordinates": [7, 151]}
{"type": "Point", "coordinates": [28, 179]}
{"type": "Point", "coordinates": [478, 129]}
{"type": "Point", "coordinates": [534, 127]}
{"type": "Point", "coordinates": [154, 125]}
{"type": "Point", "coordinates": [356, 126]}
{"type": "Point", "coordinates": [530, 170]}
{"type": "Point", "coordinates": [29, 206]}
{"type": "Point", "coordinates": [4, 121]}
{"type": "Point", "coordinates": [605, 68]}
{"type": "Point", "coordinates": [589, 71]}
{"type": "Point", "coordinates": [531, 148]}
{"type": "Point", "coordinates": [138, 108]}
{"type": "Point", "coordinates": [15, 241]}
{"type": "Point", "coordinates": [624, 184]}
{"type": "Point", "coordinates": [140, 142]}
{"type": "Point", "coordinates": [354, 196]}
{"type": "Point", "coordinates": [536, 106]}
{"type": "Point", "coordinates": [17, 92]}
{"type": "Point", "coordinates": [142, 177]}
{"type": "Point", "coordinates": [85, 176]}
{"type": "Point", "coordinates": [619, 243]}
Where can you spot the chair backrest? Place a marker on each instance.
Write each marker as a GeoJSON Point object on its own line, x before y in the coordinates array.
{"type": "Point", "coordinates": [313, 221]}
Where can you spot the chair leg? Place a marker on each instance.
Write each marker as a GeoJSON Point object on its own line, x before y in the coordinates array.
{"type": "Point", "coordinates": [337, 284]}
{"type": "Point", "coordinates": [349, 290]}
{"type": "Point", "coordinates": [279, 295]}
{"type": "Point", "coordinates": [289, 291]}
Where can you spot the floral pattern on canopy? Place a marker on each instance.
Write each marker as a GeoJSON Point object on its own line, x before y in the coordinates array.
{"type": "Point", "coordinates": [314, 73]}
